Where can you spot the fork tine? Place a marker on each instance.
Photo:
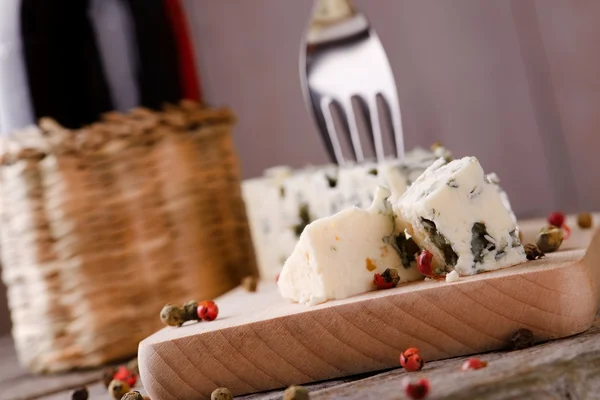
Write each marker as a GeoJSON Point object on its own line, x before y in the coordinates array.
{"type": "Point", "coordinates": [353, 128]}
{"type": "Point", "coordinates": [375, 128]}
{"type": "Point", "coordinates": [364, 114]}
{"type": "Point", "coordinates": [394, 111]}
{"type": "Point", "coordinates": [334, 143]}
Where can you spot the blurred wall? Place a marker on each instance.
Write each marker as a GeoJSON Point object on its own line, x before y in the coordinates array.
{"type": "Point", "coordinates": [514, 82]}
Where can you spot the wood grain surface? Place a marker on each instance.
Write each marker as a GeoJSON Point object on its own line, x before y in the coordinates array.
{"type": "Point", "coordinates": [560, 369]}
{"type": "Point", "coordinates": [566, 368]}
{"type": "Point", "coordinates": [260, 342]}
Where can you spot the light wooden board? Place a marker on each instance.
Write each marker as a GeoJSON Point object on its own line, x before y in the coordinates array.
{"type": "Point", "coordinates": [556, 369]}
{"type": "Point", "coordinates": [261, 342]}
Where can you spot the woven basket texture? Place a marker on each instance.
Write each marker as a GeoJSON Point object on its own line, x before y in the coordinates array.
{"type": "Point", "coordinates": [102, 226]}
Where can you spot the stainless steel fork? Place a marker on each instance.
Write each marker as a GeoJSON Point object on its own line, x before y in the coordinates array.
{"type": "Point", "coordinates": [341, 58]}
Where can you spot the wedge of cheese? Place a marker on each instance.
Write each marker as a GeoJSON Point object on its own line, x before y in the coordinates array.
{"type": "Point", "coordinates": [457, 213]}
{"type": "Point", "coordinates": [337, 256]}
{"type": "Point", "coordinates": [283, 201]}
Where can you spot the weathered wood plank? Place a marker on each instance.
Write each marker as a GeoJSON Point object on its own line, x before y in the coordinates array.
{"type": "Point", "coordinates": [561, 369]}
{"type": "Point", "coordinates": [97, 392]}
{"type": "Point", "coordinates": [567, 367]}
{"type": "Point", "coordinates": [557, 369]}
{"type": "Point", "coordinates": [271, 344]}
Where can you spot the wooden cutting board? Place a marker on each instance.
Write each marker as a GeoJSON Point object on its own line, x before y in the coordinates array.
{"type": "Point", "coordinates": [261, 342]}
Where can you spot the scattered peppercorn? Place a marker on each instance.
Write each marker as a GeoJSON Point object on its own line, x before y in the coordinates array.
{"type": "Point", "coordinates": [391, 275]}
{"type": "Point", "coordinates": [424, 260]}
{"type": "Point", "coordinates": [532, 252]}
{"type": "Point", "coordinates": [556, 219]}
{"type": "Point", "coordinates": [81, 394]}
{"type": "Point", "coordinates": [549, 239]}
{"type": "Point", "coordinates": [117, 389]}
{"type": "Point", "coordinates": [250, 283]}
{"type": "Point", "coordinates": [413, 363]}
{"type": "Point", "coordinates": [208, 310]}
{"type": "Point", "coordinates": [584, 220]}
{"type": "Point", "coordinates": [135, 395]}
{"type": "Point", "coordinates": [125, 375]}
{"type": "Point", "coordinates": [417, 390]}
{"type": "Point", "coordinates": [221, 394]}
{"type": "Point", "coordinates": [190, 311]}
{"type": "Point", "coordinates": [410, 359]}
{"type": "Point", "coordinates": [473, 363]}
{"type": "Point", "coordinates": [522, 339]}
{"type": "Point", "coordinates": [381, 283]}
{"type": "Point", "coordinates": [387, 280]}
{"type": "Point", "coordinates": [295, 393]}
{"type": "Point", "coordinates": [172, 315]}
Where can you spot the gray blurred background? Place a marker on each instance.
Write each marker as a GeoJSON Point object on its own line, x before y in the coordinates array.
{"type": "Point", "coordinates": [513, 82]}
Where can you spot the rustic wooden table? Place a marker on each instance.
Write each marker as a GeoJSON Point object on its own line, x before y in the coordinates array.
{"type": "Point", "coordinates": [561, 369]}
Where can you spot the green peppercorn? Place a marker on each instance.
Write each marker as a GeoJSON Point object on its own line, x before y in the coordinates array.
{"type": "Point", "coordinates": [221, 394]}
{"type": "Point", "coordinates": [190, 310]}
{"type": "Point", "coordinates": [295, 393]}
{"type": "Point", "coordinates": [549, 239]}
{"type": "Point", "coordinates": [532, 252]}
{"type": "Point", "coordinates": [117, 389]}
{"type": "Point", "coordinates": [172, 315]}
{"type": "Point", "coordinates": [135, 395]}
{"type": "Point", "coordinates": [584, 220]}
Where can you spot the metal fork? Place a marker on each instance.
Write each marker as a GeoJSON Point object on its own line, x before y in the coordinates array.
{"type": "Point", "coordinates": [341, 57]}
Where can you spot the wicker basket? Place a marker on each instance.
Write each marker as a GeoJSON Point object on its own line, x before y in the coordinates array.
{"type": "Point", "coordinates": [103, 226]}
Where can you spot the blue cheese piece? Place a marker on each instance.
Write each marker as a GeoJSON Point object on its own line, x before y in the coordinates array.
{"type": "Point", "coordinates": [495, 180]}
{"type": "Point", "coordinates": [457, 214]}
{"type": "Point", "coordinates": [337, 256]}
{"type": "Point", "coordinates": [282, 202]}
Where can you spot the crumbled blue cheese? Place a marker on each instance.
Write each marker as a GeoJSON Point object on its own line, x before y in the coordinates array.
{"type": "Point", "coordinates": [277, 203]}
{"type": "Point", "coordinates": [495, 180]}
{"type": "Point", "coordinates": [457, 214]}
{"type": "Point", "coordinates": [280, 204]}
{"type": "Point", "coordinates": [337, 256]}
{"type": "Point", "coordinates": [452, 276]}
